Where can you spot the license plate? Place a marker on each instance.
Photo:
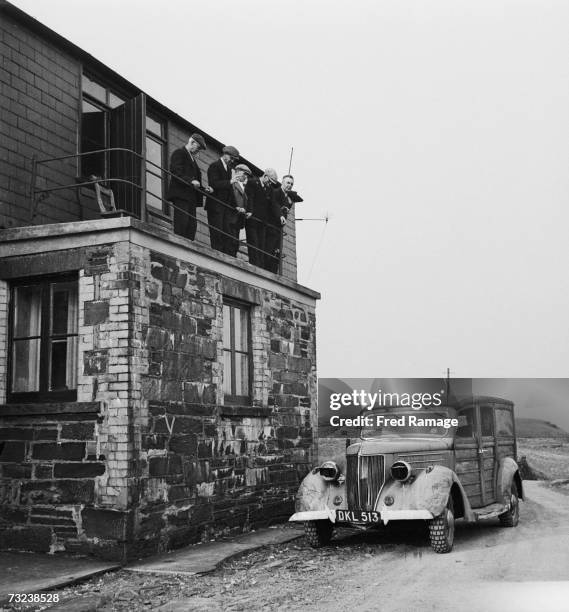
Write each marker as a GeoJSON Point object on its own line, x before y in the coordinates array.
{"type": "Point", "coordinates": [356, 516]}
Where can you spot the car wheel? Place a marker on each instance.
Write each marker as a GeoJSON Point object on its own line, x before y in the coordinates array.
{"type": "Point", "coordinates": [511, 517]}
{"type": "Point", "coordinates": [441, 529]}
{"type": "Point", "coordinates": [318, 533]}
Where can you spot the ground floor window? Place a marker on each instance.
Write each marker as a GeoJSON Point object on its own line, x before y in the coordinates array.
{"type": "Point", "coordinates": [43, 339]}
{"type": "Point", "coordinates": [236, 353]}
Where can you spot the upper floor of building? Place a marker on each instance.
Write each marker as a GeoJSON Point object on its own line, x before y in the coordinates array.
{"type": "Point", "coordinates": [80, 141]}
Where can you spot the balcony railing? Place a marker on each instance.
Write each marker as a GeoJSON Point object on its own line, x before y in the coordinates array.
{"type": "Point", "coordinates": [127, 194]}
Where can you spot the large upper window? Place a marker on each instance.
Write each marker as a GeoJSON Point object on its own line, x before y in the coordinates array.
{"type": "Point", "coordinates": [155, 148]}
{"type": "Point", "coordinates": [43, 339]}
{"type": "Point", "coordinates": [236, 353]}
{"type": "Point", "coordinates": [95, 131]}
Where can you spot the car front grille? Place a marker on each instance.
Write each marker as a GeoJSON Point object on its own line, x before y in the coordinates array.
{"type": "Point", "coordinates": [364, 479]}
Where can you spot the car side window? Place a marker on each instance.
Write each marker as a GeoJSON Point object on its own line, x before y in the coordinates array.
{"type": "Point", "coordinates": [487, 420]}
{"type": "Point", "coordinates": [504, 422]}
{"type": "Point", "coordinates": [466, 423]}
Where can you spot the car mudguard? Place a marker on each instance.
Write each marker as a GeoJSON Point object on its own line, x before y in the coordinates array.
{"type": "Point", "coordinates": [508, 470]}
{"type": "Point", "coordinates": [428, 491]}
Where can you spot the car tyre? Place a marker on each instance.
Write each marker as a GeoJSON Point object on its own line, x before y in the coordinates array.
{"type": "Point", "coordinates": [511, 517]}
{"type": "Point", "coordinates": [441, 529]}
{"type": "Point", "coordinates": [318, 533]}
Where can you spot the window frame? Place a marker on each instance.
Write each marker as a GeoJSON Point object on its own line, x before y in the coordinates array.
{"type": "Point", "coordinates": [232, 399]}
{"type": "Point", "coordinates": [43, 395]}
{"type": "Point", "coordinates": [106, 107]}
{"type": "Point", "coordinates": [162, 140]}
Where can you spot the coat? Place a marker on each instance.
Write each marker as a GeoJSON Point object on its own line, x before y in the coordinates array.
{"type": "Point", "coordinates": [219, 179]}
{"type": "Point", "coordinates": [182, 165]}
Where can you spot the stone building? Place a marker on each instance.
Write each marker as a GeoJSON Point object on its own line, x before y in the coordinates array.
{"type": "Point", "coordinates": [153, 392]}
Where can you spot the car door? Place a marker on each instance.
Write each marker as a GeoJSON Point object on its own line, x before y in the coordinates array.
{"type": "Point", "coordinates": [487, 452]}
{"type": "Point", "coordinates": [468, 456]}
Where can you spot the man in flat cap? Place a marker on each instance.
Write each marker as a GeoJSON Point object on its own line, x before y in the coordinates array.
{"type": "Point", "coordinates": [219, 176]}
{"type": "Point", "coordinates": [281, 204]}
{"type": "Point", "coordinates": [235, 217]}
{"type": "Point", "coordinates": [186, 177]}
{"type": "Point", "coordinates": [260, 194]}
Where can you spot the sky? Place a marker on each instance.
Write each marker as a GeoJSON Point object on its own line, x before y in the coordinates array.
{"type": "Point", "coordinates": [434, 135]}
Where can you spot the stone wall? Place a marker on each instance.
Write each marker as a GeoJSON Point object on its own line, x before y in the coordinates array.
{"type": "Point", "coordinates": [211, 468]}
{"type": "Point", "coordinates": [151, 457]}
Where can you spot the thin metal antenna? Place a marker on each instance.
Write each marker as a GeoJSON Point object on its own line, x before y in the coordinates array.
{"type": "Point", "coordinates": [290, 161]}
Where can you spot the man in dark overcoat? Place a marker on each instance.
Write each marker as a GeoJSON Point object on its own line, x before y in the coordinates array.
{"type": "Point", "coordinates": [186, 177]}
{"type": "Point", "coordinates": [260, 193]}
{"type": "Point", "coordinates": [281, 204]}
{"type": "Point", "coordinates": [220, 179]}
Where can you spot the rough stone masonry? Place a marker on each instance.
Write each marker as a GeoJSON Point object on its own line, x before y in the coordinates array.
{"type": "Point", "coordinates": [150, 457]}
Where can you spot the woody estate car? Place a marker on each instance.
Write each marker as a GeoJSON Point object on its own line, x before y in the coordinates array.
{"type": "Point", "coordinates": [410, 464]}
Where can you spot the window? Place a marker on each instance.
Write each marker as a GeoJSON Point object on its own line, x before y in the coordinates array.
{"type": "Point", "coordinates": [43, 340]}
{"type": "Point", "coordinates": [467, 423]}
{"type": "Point", "coordinates": [504, 422]}
{"type": "Point", "coordinates": [236, 353]}
{"type": "Point", "coordinates": [487, 420]}
{"type": "Point", "coordinates": [95, 133]}
{"type": "Point", "coordinates": [155, 147]}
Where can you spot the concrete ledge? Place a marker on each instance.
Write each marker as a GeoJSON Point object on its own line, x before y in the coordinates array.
{"type": "Point", "coordinates": [29, 240]}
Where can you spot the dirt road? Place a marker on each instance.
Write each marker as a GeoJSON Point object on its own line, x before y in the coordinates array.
{"type": "Point", "coordinates": [491, 568]}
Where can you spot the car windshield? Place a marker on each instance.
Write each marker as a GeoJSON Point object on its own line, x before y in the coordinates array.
{"type": "Point", "coordinates": [406, 423]}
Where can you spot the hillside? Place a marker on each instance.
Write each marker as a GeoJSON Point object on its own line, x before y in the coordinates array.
{"type": "Point", "coordinates": [536, 428]}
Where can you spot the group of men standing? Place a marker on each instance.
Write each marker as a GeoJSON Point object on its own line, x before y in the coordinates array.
{"type": "Point", "coordinates": [236, 199]}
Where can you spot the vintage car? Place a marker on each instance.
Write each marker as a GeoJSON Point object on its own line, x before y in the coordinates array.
{"type": "Point", "coordinates": [412, 467]}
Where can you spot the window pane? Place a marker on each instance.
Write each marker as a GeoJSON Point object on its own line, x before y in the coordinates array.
{"type": "Point", "coordinates": [154, 202]}
{"type": "Point", "coordinates": [504, 422]}
{"type": "Point", "coordinates": [153, 153]}
{"type": "Point", "coordinates": [227, 372]}
{"type": "Point", "coordinates": [487, 420]}
{"type": "Point", "coordinates": [154, 126]}
{"type": "Point", "coordinates": [26, 366]}
{"type": "Point", "coordinates": [467, 424]}
{"type": "Point", "coordinates": [64, 308]}
{"type": "Point", "coordinates": [58, 365]}
{"type": "Point", "coordinates": [93, 138]}
{"type": "Point", "coordinates": [153, 184]}
{"type": "Point", "coordinates": [241, 329]}
{"type": "Point", "coordinates": [241, 374]}
{"type": "Point", "coordinates": [226, 327]}
{"type": "Point", "coordinates": [94, 89]}
{"type": "Point", "coordinates": [27, 312]}
{"type": "Point", "coordinates": [114, 100]}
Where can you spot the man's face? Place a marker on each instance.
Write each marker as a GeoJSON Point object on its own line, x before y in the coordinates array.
{"type": "Point", "coordinates": [230, 160]}
{"type": "Point", "coordinates": [241, 177]}
{"type": "Point", "coordinates": [287, 183]}
{"type": "Point", "coordinates": [193, 146]}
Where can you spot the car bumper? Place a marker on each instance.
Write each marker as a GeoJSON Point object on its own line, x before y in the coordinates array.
{"type": "Point", "coordinates": [386, 515]}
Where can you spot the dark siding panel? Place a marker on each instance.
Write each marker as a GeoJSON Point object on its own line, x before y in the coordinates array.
{"type": "Point", "coordinates": [39, 108]}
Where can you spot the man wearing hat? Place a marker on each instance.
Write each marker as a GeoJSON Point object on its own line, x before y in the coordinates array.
{"type": "Point", "coordinates": [280, 205]}
{"type": "Point", "coordinates": [235, 217]}
{"type": "Point", "coordinates": [186, 176]}
{"type": "Point", "coordinates": [219, 176]}
{"type": "Point", "coordinates": [259, 193]}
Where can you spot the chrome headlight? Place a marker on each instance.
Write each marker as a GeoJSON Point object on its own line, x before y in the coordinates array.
{"type": "Point", "coordinates": [329, 471]}
{"type": "Point", "coordinates": [401, 471]}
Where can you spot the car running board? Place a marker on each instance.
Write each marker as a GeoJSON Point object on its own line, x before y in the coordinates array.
{"type": "Point", "coordinates": [491, 511]}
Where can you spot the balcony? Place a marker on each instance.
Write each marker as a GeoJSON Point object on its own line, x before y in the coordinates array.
{"type": "Point", "coordinates": [134, 187]}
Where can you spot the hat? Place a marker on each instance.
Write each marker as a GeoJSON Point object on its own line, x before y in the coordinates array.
{"type": "Point", "coordinates": [243, 168]}
{"type": "Point", "coordinates": [272, 174]}
{"type": "Point", "coordinates": [199, 139]}
{"type": "Point", "coordinates": [230, 151]}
